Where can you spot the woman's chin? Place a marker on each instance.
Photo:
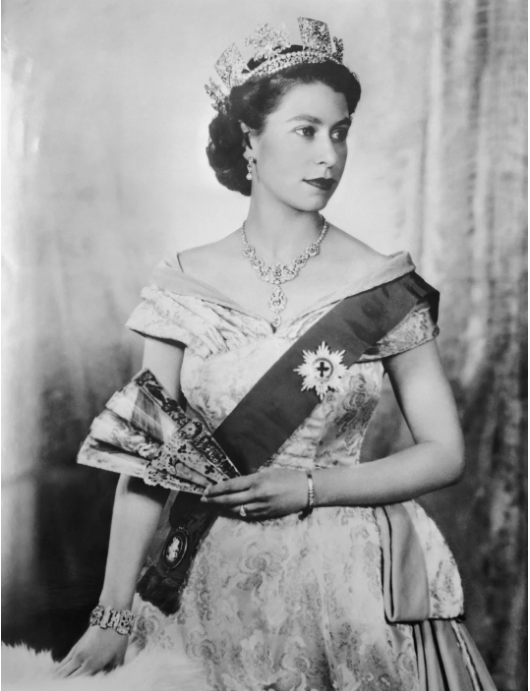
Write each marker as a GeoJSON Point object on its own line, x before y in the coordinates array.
{"type": "Point", "coordinates": [308, 198]}
{"type": "Point", "coordinates": [318, 201]}
{"type": "Point", "coordinates": [314, 203]}
{"type": "Point", "coordinates": [317, 204]}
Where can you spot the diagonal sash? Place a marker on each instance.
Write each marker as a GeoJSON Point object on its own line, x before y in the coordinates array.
{"type": "Point", "coordinates": [271, 411]}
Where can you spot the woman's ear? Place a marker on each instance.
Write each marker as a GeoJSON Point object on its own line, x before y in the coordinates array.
{"type": "Point", "coordinates": [246, 135]}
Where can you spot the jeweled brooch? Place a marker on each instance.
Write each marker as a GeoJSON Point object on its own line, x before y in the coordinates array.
{"type": "Point", "coordinates": [322, 370]}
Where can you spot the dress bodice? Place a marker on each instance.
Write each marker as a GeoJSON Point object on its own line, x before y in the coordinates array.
{"type": "Point", "coordinates": [334, 430]}
{"type": "Point", "coordinates": [227, 350]}
{"type": "Point", "coordinates": [258, 590]}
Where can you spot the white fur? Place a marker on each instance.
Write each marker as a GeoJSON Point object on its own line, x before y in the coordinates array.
{"type": "Point", "coordinates": [25, 670]}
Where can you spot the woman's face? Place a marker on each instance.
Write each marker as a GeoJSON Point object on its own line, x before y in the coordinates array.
{"type": "Point", "coordinates": [302, 150]}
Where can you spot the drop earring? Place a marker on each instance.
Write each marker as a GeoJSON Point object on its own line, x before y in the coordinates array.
{"type": "Point", "coordinates": [251, 160]}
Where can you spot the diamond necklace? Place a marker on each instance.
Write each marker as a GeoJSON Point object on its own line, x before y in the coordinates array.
{"type": "Point", "coordinates": [281, 273]}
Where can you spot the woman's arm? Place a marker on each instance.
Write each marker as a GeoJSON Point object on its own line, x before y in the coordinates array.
{"type": "Point", "coordinates": [437, 458]}
{"type": "Point", "coordinates": [136, 513]}
{"type": "Point", "coordinates": [435, 461]}
{"type": "Point", "coordinates": [137, 507]}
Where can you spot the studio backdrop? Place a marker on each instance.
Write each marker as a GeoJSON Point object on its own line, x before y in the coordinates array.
{"type": "Point", "coordinates": [105, 172]}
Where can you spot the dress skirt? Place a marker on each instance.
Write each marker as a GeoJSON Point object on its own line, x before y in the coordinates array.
{"type": "Point", "coordinates": [289, 604]}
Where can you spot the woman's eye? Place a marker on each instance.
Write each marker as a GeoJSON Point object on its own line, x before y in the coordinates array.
{"type": "Point", "coordinates": [339, 135]}
{"type": "Point", "coordinates": [305, 131]}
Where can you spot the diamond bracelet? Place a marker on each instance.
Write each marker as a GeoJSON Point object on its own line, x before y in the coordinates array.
{"type": "Point", "coordinates": [310, 495]}
{"type": "Point", "coordinates": [121, 621]}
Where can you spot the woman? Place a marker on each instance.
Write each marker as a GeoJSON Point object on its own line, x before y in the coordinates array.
{"type": "Point", "coordinates": [273, 601]}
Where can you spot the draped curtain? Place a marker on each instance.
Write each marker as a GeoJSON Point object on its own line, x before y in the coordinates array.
{"type": "Point", "coordinates": [473, 248]}
{"type": "Point", "coordinates": [88, 207]}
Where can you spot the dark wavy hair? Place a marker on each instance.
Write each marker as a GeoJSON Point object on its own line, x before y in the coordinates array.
{"type": "Point", "coordinates": [253, 101]}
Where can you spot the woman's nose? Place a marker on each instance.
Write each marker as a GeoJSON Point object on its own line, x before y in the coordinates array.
{"type": "Point", "coordinates": [326, 152]}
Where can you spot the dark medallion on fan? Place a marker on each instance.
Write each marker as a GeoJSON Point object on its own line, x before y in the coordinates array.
{"type": "Point", "coordinates": [175, 548]}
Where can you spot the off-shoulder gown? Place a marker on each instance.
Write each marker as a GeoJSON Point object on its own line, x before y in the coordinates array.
{"type": "Point", "coordinates": [288, 604]}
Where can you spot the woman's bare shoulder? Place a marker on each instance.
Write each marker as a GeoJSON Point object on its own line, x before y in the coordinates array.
{"type": "Point", "coordinates": [203, 261]}
{"type": "Point", "coordinates": [347, 249]}
{"type": "Point", "coordinates": [344, 251]}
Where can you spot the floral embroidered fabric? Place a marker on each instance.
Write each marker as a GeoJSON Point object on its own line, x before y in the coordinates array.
{"type": "Point", "coordinates": [284, 604]}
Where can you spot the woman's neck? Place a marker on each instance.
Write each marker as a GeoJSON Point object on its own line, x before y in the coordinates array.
{"type": "Point", "coordinates": [280, 233]}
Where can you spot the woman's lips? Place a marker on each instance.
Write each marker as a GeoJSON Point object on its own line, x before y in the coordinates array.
{"type": "Point", "coordinates": [322, 183]}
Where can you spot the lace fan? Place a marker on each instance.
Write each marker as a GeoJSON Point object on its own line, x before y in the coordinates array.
{"type": "Point", "coordinates": [143, 432]}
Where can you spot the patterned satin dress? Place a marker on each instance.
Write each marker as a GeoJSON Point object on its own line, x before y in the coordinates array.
{"type": "Point", "coordinates": [288, 604]}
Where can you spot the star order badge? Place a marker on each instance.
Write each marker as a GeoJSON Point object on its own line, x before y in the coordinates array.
{"type": "Point", "coordinates": [322, 370]}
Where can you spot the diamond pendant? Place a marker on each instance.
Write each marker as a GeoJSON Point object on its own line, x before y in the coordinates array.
{"type": "Point", "coordinates": [277, 303]}
{"type": "Point", "coordinates": [281, 273]}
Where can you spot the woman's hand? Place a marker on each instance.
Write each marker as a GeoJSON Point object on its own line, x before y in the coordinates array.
{"type": "Point", "coordinates": [271, 493]}
{"type": "Point", "coordinates": [97, 650]}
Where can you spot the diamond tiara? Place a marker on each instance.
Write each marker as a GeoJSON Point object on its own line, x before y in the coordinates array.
{"type": "Point", "coordinates": [268, 44]}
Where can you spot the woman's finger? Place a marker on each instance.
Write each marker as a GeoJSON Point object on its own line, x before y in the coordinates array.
{"type": "Point", "coordinates": [66, 661]}
{"type": "Point", "coordinates": [253, 510]}
{"type": "Point", "coordinates": [252, 507]}
{"type": "Point", "coordinates": [61, 665]}
{"type": "Point", "coordinates": [236, 484]}
{"type": "Point", "coordinates": [231, 500]}
{"type": "Point", "coordinates": [67, 667]}
{"type": "Point", "coordinates": [83, 671]}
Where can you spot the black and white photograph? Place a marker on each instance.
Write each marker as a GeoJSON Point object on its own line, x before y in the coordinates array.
{"type": "Point", "coordinates": [264, 345]}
